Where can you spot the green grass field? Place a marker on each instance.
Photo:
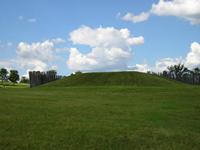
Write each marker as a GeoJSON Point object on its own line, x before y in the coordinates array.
{"type": "Point", "coordinates": [12, 85]}
{"type": "Point", "coordinates": [149, 113]}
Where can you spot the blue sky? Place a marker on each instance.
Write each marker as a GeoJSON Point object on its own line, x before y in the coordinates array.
{"type": "Point", "coordinates": [166, 35]}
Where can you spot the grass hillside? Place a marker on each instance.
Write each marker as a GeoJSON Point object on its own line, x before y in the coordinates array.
{"type": "Point", "coordinates": [66, 115]}
{"type": "Point", "coordinates": [113, 78]}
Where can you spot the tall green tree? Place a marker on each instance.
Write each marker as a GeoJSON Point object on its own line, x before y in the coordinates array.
{"type": "Point", "coordinates": [14, 76]}
{"type": "Point", "coordinates": [24, 80]}
{"type": "Point", "coordinates": [3, 75]}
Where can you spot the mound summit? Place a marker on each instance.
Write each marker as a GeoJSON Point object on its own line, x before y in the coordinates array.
{"type": "Point", "coordinates": [113, 79]}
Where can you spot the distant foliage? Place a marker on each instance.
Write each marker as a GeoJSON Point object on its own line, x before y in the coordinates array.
{"type": "Point", "coordinates": [13, 76]}
{"type": "Point", "coordinates": [78, 72]}
{"type": "Point", "coordinates": [3, 75]}
{"type": "Point", "coordinates": [181, 73]}
{"type": "Point", "coordinates": [24, 80]}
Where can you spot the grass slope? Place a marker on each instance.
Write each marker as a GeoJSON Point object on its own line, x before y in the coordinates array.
{"type": "Point", "coordinates": [114, 78]}
{"type": "Point", "coordinates": [12, 85]}
{"type": "Point", "coordinates": [100, 117]}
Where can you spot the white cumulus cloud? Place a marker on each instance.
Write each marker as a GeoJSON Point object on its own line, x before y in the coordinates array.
{"type": "Point", "coordinates": [162, 64]}
{"type": "Point", "coordinates": [193, 57]}
{"type": "Point", "coordinates": [191, 60]}
{"type": "Point", "coordinates": [37, 55]}
{"type": "Point", "coordinates": [139, 68]}
{"type": "Point", "coordinates": [188, 10]}
{"type": "Point", "coordinates": [58, 41]}
{"type": "Point", "coordinates": [111, 48]}
{"type": "Point", "coordinates": [103, 37]}
{"type": "Point", "coordinates": [38, 50]}
{"type": "Point", "coordinates": [136, 18]}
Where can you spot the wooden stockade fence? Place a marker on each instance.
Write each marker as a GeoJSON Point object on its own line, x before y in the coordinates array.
{"type": "Point", "coordinates": [38, 78]}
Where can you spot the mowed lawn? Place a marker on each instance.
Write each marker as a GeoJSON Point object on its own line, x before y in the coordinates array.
{"type": "Point", "coordinates": [100, 118]}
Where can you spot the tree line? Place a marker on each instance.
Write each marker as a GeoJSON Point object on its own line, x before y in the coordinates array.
{"type": "Point", "coordinates": [11, 76]}
{"type": "Point", "coordinates": [181, 73]}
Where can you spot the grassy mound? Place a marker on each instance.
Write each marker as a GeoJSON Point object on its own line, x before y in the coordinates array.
{"type": "Point", "coordinates": [113, 78]}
